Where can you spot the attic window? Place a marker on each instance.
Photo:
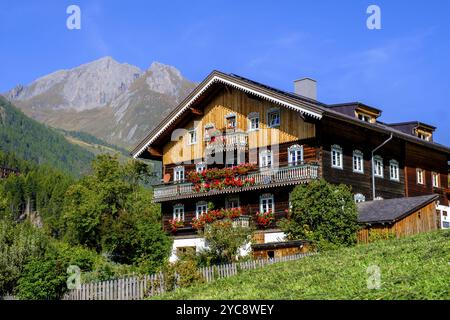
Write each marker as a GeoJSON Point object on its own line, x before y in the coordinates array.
{"type": "Point", "coordinates": [423, 135]}
{"type": "Point", "coordinates": [364, 117]}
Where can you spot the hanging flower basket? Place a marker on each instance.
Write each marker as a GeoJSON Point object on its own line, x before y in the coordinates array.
{"type": "Point", "coordinates": [265, 219]}
{"type": "Point", "coordinates": [175, 224]}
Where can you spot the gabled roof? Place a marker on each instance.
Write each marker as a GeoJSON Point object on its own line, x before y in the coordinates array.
{"type": "Point", "coordinates": [391, 210]}
{"type": "Point", "coordinates": [304, 105]}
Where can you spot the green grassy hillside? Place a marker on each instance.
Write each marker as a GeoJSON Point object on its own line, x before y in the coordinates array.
{"type": "Point", "coordinates": [35, 142]}
{"type": "Point", "coordinates": [411, 268]}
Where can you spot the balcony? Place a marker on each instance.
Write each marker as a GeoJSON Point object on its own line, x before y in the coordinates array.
{"type": "Point", "coordinates": [264, 178]}
{"type": "Point", "coordinates": [227, 141]}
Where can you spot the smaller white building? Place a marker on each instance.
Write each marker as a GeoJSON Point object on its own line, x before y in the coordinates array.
{"type": "Point", "coordinates": [443, 213]}
{"type": "Point", "coordinates": [197, 244]}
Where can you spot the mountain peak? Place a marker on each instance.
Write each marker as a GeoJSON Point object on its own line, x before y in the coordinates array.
{"type": "Point", "coordinates": [114, 101]}
{"type": "Point", "coordinates": [164, 79]}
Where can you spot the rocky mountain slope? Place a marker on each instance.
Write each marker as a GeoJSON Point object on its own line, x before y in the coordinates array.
{"type": "Point", "coordinates": [116, 102]}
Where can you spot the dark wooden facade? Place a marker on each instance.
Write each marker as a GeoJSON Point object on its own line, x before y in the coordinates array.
{"type": "Point", "coordinates": [314, 134]}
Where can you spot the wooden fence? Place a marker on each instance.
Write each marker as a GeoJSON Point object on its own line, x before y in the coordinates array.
{"type": "Point", "coordinates": [139, 287]}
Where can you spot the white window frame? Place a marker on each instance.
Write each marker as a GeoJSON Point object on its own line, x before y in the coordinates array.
{"type": "Point", "coordinates": [336, 157]}
{"type": "Point", "coordinates": [359, 197]}
{"type": "Point", "coordinates": [206, 128]}
{"type": "Point", "coordinates": [253, 118]}
{"type": "Point", "coordinates": [364, 117]}
{"type": "Point", "coordinates": [201, 166]}
{"type": "Point", "coordinates": [264, 157]}
{"type": "Point", "coordinates": [266, 203]}
{"type": "Point", "coordinates": [178, 174]}
{"type": "Point", "coordinates": [295, 155]}
{"type": "Point", "coordinates": [358, 161]}
{"type": "Point", "coordinates": [435, 179]}
{"type": "Point", "coordinates": [178, 211]}
{"type": "Point", "coordinates": [378, 167]}
{"type": "Point", "coordinates": [394, 170]}
{"type": "Point", "coordinates": [228, 116]}
{"type": "Point", "coordinates": [201, 207]}
{"type": "Point", "coordinates": [192, 136]}
{"type": "Point", "coordinates": [273, 111]}
{"type": "Point", "coordinates": [420, 176]}
{"type": "Point", "coordinates": [232, 202]}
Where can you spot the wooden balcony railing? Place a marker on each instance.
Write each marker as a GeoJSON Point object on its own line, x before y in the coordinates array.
{"type": "Point", "coordinates": [264, 178]}
{"type": "Point", "coordinates": [227, 142]}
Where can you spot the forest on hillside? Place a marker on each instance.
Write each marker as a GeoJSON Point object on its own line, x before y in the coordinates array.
{"type": "Point", "coordinates": [37, 143]}
{"type": "Point", "coordinates": [104, 223]}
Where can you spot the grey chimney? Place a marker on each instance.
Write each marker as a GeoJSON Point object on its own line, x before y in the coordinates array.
{"type": "Point", "coordinates": [306, 87]}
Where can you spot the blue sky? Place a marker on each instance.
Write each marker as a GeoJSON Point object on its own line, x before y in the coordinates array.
{"type": "Point", "coordinates": [404, 68]}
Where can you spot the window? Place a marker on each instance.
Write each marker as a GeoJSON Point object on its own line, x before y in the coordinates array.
{"type": "Point", "coordinates": [394, 170]}
{"type": "Point", "coordinates": [423, 135]}
{"type": "Point", "coordinates": [193, 136]}
{"type": "Point", "coordinates": [201, 166]}
{"type": "Point", "coordinates": [378, 169]}
{"type": "Point", "coordinates": [201, 208]}
{"type": "Point", "coordinates": [208, 129]}
{"type": "Point", "coordinates": [266, 203]}
{"type": "Point", "coordinates": [336, 156]}
{"type": "Point", "coordinates": [359, 198]}
{"type": "Point", "coordinates": [273, 118]}
{"type": "Point", "coordinates": [265, 159]}
{"type": "Point", "coordinates": [178, 212]}
{"type": "Point", "coordinates": [420, 179]}
{"type": "Point", "coordinates": [253, 121]}
{"type": "Point", "coordinates": [232, 202]}
{"type": "Point", "coordinates": [435, 177]}
{"type": "Point", "coordinates": [231, 121]}
{"type": "Point", "coordinates": [295, 155]}
{"type": "Point", "coordinates": [358, 161]}
{"type": "Point", "coordinates": [364, 117]}
{"type": "Point", "coordinates": [178, 173]}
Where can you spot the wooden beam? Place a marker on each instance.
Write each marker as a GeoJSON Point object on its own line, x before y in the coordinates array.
{"type": "Point", "coordinates": [197, 111]}
{"type": "Point", "coordinates": [154, 152]}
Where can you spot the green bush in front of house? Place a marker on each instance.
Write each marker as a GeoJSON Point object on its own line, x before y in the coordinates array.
{"type": "Point", "coordinates": [323, 213]}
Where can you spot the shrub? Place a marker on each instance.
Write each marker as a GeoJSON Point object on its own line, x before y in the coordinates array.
{"type": "Point", "coordinates": [43, 278]}
{"type": "Point", "coordinates": [323, 213]}
{"type": "Point", "coordinates": [225, 239]}
{"type": "Point", "coordinates": [19, 243]}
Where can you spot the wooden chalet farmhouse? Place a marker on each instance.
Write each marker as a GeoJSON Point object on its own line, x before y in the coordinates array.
{"type": "Point", "coordinates": [278, 140]}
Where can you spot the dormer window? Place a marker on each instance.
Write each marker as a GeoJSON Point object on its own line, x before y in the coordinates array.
{"type": "Point", "coordinates": [364, 117]}
{"type": "Point", "coordinates": [423, 135]}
